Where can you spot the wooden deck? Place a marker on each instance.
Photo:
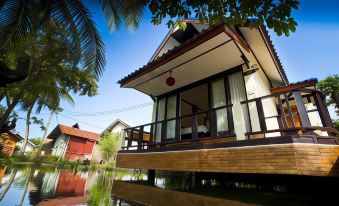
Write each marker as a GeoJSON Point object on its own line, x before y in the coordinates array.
{"type": "Point", "coordinates": [286, 158]}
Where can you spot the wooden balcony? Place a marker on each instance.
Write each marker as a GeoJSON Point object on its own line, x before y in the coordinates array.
{"type": "Point", "coordinates": [286, 133]}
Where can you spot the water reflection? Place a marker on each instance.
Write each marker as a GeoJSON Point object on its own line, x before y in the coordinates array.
{"type": "Point", "coordinates": [29, 185]}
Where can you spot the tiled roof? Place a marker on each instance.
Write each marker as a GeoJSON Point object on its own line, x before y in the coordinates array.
{"type": "Point", "coordinates": [165, 55]}
{"type": "Point", "coordinates": [274, 53]}
{"type": "Point", "coordinates": [203, 33]}
{"type": "Point", "coordinates": [63, 129]}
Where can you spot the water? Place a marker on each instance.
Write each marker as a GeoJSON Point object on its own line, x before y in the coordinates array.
{"type": "Point", "coordinates": [32, 185]}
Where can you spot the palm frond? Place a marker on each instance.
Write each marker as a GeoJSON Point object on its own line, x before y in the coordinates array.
{"type": "Point", "coordinates": [62, 15]}
{"type": "Point", "coordinates": [14, 21]}
{"type": "Point", "coordinates": [132, 12]}
{"type": "Point", "coordinates": [93, 51]}
{"type": "Point", "coordinates": [110, 8]}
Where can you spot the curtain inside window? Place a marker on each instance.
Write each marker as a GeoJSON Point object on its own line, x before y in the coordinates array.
{"type": "Point", "coordinates": [238, 95]}
{"type": "Point", "coordinates": [171, 113]}
{"type": "Point", "coordinates": [160, 117]}
{"type": "Point", "coordinates": [218, 100]}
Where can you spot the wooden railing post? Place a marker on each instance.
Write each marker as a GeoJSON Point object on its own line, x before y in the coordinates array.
{"type": "Point", "coordinates": [322, 109]}
{"type": "Point", "coordinates": [177, 129]}
{"type": "Point", "coordinates": [305, 121]}
{"type": "Point", "coordinates": [213, 123]}
{"type": "Point", "coordinates": [140, 137]}
{"type": "Point", "coordinates": [289, 110]}
{"type": "Point", "coordinates": [151, 134]}
{"type": "Point", "coordinates": [261, 115]}
{"type": "Point", "coordinates": [130, 139]}
{"type": "Point", "coordinates": [194, 128]}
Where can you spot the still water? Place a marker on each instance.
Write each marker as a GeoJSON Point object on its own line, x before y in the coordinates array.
{"type": "Point", "coordinates": [32, 185]}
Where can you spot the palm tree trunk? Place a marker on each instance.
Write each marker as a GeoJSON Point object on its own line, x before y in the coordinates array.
{"type": "Point", "coordinates": [28, 118]}
{"type": "Point", "coordinates": [11, 107]}
{"type": "Point", "coordinates": [31, 172]}
{"type": "Point", "coordinates": [45, 134]}
{"type": "Point", "coordinates": [8, 185]}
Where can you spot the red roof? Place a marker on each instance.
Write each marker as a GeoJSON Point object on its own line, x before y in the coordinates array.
{"type": "Point", "coordinates": [63, 129]}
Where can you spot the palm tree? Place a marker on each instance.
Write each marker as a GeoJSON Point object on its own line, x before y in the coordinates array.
{"type": "Point", "coordinates": [20, 21]}
{"type": "Point", "coordinates": [17, 22]}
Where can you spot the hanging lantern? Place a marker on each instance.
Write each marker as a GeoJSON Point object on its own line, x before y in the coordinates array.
{"type": "Point", "coordinates": [170, 81]}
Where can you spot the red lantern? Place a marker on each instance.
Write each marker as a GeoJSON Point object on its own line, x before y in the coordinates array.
{"type": "Point", "coordinates": [170, 81]}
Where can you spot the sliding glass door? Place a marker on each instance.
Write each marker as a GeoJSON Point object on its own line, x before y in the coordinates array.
{"type": "Point", "coordinates": [171, 113]}
{"type": "Point", "coordinates": [218, 99]}
{"type": "Point", "coordinates": [167, 109]}
{"type": "Point", "coordinates": [238, 94]}
{"type": "Point", "coordinates": [160, 117]}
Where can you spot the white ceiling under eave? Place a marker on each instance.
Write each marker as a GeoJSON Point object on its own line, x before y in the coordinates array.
{"type": "Point", "coordinates": [209, 58]}
{"type": "Point", "coordinates": [263, 54]}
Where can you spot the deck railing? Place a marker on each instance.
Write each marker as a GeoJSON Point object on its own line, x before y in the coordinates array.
{"type": "Point", "coordinates": [168, 132]}
{"type": "Point", "coordinates": [288, 112]}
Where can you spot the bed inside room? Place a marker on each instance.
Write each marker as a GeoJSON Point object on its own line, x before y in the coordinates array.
{"type": "Point", "coordinates": [195, 100]}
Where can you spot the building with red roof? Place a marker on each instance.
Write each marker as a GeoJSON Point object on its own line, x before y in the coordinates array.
{"type": "Point", "coordinates": [72, 142]}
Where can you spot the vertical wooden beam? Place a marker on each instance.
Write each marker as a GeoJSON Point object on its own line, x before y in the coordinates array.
{"type": "Point", "coordinates": [281, 111]}
{"type": "Point", "coordinates": [164, 124]}
{"type": "Point", "coordinates": [289, 110]}
{"type": "Point", "coordinates": [151, 133]}
{"type": "Point", "coordinates": [305, 121]}
{"type": "Point", "coordinates": [177, 121]}
{"type": "Point", "coordinates": [130, 139]}
{"type": "Point", "coordinates": [228, 102]}
{"type": "Point", "coordinates": [322, 109]}
{"type": "Point", "coordinates": [213, 123]}
{"type": "Point", "coordinates": [194, 128]}
{"type": "Point", "coordinates": [140, 137]}
{"type": "Point", "coordinates": [261, 115]}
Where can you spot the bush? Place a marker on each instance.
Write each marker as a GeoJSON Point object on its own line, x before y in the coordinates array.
{"type": "Point", "coordinates": [49, 158]}
{"type": "Point", "coordinates": [4, 160]}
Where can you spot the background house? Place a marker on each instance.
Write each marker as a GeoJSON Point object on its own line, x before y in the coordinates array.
{"type": "Point", "coordinates": [72, 142]}
{"type": "Point", "coordinates": [116, 127]}
{"type": "Point", "coordinates": [8, 141]}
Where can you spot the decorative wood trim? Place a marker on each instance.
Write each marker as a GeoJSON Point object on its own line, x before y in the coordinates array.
{"type": "Point", "coordinates": [300, 85]}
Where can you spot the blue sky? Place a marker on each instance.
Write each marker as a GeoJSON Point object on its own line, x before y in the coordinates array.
{"type": "Point", "coordinates": [312, 51]}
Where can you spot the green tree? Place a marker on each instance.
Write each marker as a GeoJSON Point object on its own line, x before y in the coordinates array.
{"type": "Point", "coordinates": [36, 141]}
{"type": "Point", "coordinates": [330, 87]}
{"type": "Point", "coordinates": [55, 73]}
{"type": "Point", "coordinates": [109, 145]}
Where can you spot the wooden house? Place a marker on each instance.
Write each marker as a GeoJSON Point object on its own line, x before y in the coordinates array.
{"type": "Point", "coordinates": [223, 103]}
{"type": "Point", "coordinates": [72, 142]}
{"type": "Point", "coordinates": [8, 141]}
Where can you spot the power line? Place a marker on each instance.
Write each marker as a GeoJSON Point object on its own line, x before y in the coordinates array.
{"type": "Point", "coordinates": [82, 122]}
{"type": "Point", "coordinates": [114, 111]}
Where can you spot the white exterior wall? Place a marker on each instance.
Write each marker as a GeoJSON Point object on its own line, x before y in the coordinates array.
{"type": "Point", "coordinates": [257, 85]}
{"type": "Point", "coordinates": [29, 146]}
{"type": "Point", "coordinates": [60, 145]}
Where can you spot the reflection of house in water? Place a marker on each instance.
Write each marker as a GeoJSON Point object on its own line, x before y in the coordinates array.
{"type": "Point", "coordinates": [63, 183]}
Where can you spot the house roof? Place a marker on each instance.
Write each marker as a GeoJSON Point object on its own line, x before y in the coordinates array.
{"type": "Point", "coordinates": [157, 61]}
{"type": "Point", "coordinates": [116, 122]}
{"type": "Point", "coordinates": [63, 129]}
{"type": "Point", "coordinates": [20, 138]}
{"type": "Point", "coordinates": [271, 47]}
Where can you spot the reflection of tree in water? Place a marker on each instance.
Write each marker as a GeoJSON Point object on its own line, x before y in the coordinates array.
{"type": "Point", "coordinates": [100, 191]}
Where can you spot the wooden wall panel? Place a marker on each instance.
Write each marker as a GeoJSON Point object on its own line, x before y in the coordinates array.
{"type": "Point", "coordinates": [297, 158]}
